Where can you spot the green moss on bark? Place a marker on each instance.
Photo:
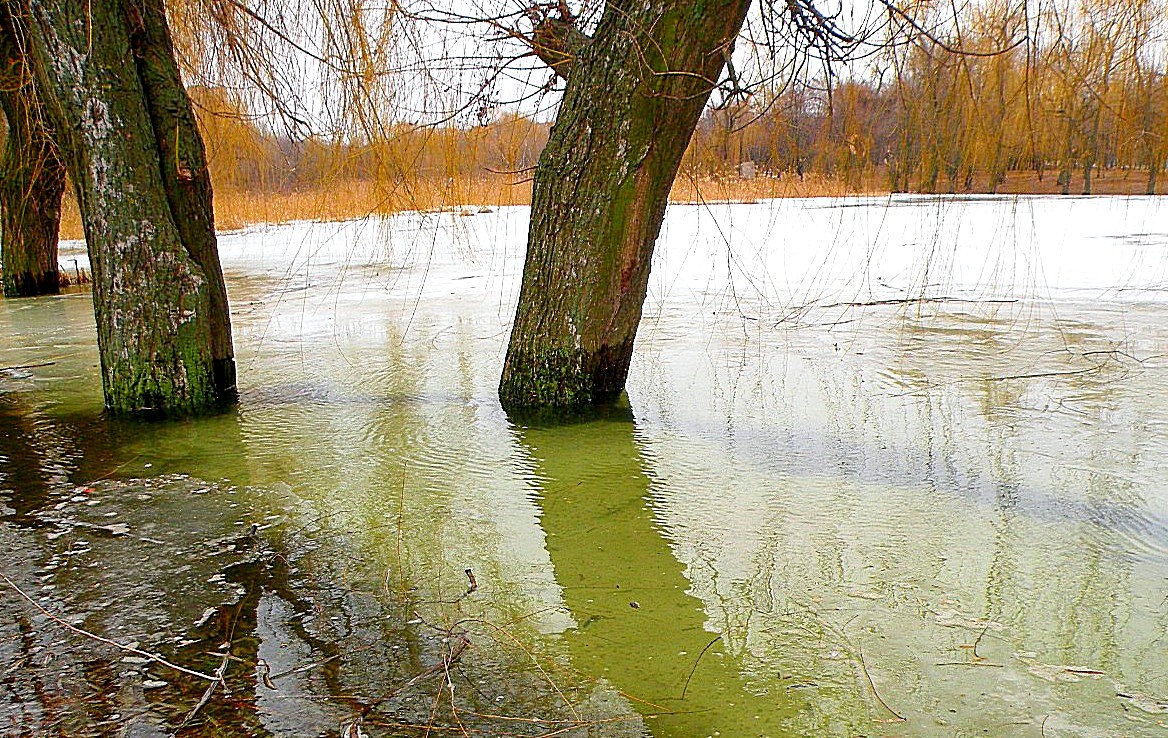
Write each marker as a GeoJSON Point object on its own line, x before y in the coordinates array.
{"type": "Point", "coordinates": [567, 379]}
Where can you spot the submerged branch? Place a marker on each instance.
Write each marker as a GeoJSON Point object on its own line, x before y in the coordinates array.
{"type": "Point", "coordinates": [1035, 375]}
{"type": "Point", "coordinates": [219, 680]}
{"type": "Point", "coordinates": [864, 667]}
{"type": "Point", "coordinates": [26, 366]}
{"type": "Point", "coordinates": [919, 301]}
{"type": "Point", "coordinates": [697, 661]}
{"type": "Point", "coordinates": [93, 636]}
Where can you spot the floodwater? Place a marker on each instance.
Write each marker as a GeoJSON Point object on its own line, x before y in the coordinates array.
{"type": "Point", "coordinates": [886, 468]}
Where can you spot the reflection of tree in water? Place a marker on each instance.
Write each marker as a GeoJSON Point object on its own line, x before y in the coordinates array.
{"type": "Point", "coordinates": [637, 626]}
{"type": "Point", "coordinates": [309, 594]}
{"type": "Point", "coordinates": [24, 472]}
{"type": "Point", "coordinates": [938, 496]}
{"type": "Point", "coordinates": [309, 636]}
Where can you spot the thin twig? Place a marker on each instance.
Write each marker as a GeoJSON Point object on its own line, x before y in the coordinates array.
{"type": "Point", "coordinates": [979, 637]}
{"type": "Point", "coordinates": [27, 366]}
{"type": "Point", "coordinates": [219, 674]}
{"type": "Point", "coordinates": [547, 677]}
{"type": "Point", "coordinates": [685, 687]}
{"type": "Point", "coordinates": [81, 631]}
{"type": "Point", "coordinates": [447, 661]}
{"type": "Point", "coordinates": [300, 669]}
{"type": "Point", "coordinates": [434, 712]}
{"type": "Point", "coordinates": [864, 667]}
{"type": "Point", "coordinates": [628, 696]}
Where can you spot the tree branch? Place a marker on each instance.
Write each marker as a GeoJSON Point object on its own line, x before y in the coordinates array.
{"type": "Point", "coordinates": [557, 42]}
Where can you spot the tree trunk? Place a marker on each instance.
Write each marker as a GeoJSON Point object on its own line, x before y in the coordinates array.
{"type": "Point", "coordinates": [32, 179]}
{"type": "Point", "coordinates": [107, 74]}
{"type": "Point", "coordinates": [1066, 166]}
{"type": "Point", "coordinates": [634, 96]}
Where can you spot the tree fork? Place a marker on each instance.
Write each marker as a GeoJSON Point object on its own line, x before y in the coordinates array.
{"type": "Point", "coordinates": [32, 178]}
{"type": "Point", "coordinates": [635, 92]}
{"type": "Point", "coordinates": [107, 75]}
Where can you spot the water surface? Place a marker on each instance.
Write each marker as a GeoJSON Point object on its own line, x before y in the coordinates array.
{"type": "Point", "coordinates": [887, 467]}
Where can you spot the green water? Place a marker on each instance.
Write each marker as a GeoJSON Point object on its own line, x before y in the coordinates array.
{"type": "Point", "coordinates": [940, 520]}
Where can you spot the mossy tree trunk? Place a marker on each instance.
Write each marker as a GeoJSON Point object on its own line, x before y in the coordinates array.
{"type": "Point", "coordinates": [107, 74]}
{"type": "Point", "coordinates": [635, 91]}
{"type": "Point", "coordinates": [32, 178]}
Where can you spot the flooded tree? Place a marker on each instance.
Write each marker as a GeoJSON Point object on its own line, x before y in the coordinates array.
{"type": "Point", "coordinates": [107, 73]}
{"type": "Point", "coordinates": [636, 88]}
{"type": "Point", "coordinates": [32, 178]}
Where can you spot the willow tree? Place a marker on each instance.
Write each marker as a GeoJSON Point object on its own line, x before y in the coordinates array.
{"type": "Point", "coordinates": [32, 177]}
{"type": "Point", "coordinates": [107, 75]}
{"type": "Point", "coordinates": [636, 87]}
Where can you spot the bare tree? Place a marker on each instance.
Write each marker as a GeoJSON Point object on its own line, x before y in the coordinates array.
{"type": "Point", "coordinates": [32, 177]}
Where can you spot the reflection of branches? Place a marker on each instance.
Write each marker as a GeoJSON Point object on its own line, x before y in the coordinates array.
{"type": "Point", "coordinates": [447, 659]}
{"type": "Point", "coordinates": [1109, 356]}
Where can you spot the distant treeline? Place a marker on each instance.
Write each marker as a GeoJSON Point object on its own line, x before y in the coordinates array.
{"type": "Point", "coordinates": [1057, 92]}
{"type": "Point", "coordinates": [1060, 91]}
{"type": "Point", "coordinates": [242, 155]}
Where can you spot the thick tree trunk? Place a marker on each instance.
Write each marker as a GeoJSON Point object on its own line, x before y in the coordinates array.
{"type": "Point", "coordinates": [107, 73]}
{"type": "Point", "coordinates": [634, 95]}
{"type": "Point", "coordinates": [32, 179]}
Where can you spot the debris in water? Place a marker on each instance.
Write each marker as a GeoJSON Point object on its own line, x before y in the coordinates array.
{"type": "Point", "coordinates": [206, 617]}
{"type": "Point", "coordinates": [1057, 672]}
{"type": "Point", "coordinates": [1144, 702]}
{"type": "Point", "coordinates": [954, 619]}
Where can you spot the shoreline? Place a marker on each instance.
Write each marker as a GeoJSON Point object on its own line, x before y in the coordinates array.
{"type": "Point", "coordinates": [237, 208]}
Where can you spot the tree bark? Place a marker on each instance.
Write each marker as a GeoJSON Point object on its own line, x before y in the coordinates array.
{"type": "Point", "coordinates": [107, 74]}
{"type": "Point", "coordinates": [32, 178]}
{"type": "Point", "coordinates": [635, 92]}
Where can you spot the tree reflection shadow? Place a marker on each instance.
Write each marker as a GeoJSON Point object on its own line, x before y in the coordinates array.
{"type": "Point", "coordinates": [637, 626]}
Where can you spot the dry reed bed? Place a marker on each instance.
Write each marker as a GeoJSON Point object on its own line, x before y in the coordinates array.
{"type": "Point", "coordinates": [237, 208]}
